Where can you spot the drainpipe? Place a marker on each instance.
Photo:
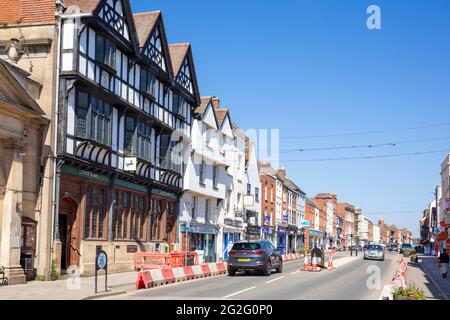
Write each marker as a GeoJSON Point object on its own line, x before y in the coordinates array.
{"type": "Point", "coordinates": [54, 140]}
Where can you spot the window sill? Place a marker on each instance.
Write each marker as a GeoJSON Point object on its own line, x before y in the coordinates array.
{"type": "Point", "coordinates": [106, 68]}
{"type": "Point", "coordinates": [202, 185]}
{"type": "Point", "coordinates": [215, 189]}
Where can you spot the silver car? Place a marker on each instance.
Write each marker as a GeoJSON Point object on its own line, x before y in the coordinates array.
{"type": "Point", "coordinates": [374, 252]}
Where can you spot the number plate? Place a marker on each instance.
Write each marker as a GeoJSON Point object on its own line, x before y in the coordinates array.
{"type": "Point", "coordinates": [244, 260]}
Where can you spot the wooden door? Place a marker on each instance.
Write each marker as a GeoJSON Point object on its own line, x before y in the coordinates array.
{"type": "Point", "coordinates": [72, 232]}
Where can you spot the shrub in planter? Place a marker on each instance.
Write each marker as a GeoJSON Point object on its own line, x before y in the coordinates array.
{"type": "Point", "coordinates": [414, 258]}
{"type": "Point", "coordinates": [410, 293]}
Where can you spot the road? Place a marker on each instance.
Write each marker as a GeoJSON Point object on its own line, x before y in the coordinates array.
{"type": "Point", "coordinates": [346, 282]}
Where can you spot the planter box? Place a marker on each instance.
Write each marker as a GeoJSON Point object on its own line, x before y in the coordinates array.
{"type": "Point", "coordinates": [403, 298]}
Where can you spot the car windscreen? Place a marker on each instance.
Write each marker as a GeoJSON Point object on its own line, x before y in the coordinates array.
{"type": "Point", "coordinates": [246, 246]}
{"type": "Point", "coordinates": [374, 248]}
{"type": "Point", "coordinates": [406, 245]}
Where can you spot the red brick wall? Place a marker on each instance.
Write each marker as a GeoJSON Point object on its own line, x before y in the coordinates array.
{"type": "Point", "coordinates": [269, 204]}
{"type": "Point", "coordinates": [27, 11]}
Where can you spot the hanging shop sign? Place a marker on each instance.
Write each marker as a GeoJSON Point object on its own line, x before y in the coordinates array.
{"type": "Point", "coordinates": [233, 223]}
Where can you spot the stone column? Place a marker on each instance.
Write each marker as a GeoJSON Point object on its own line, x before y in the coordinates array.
{"type": "Point", "coordinates": [12, 213]}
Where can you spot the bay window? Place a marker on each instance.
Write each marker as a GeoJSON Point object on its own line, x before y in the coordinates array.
{"type": "Point", "coordinates": [93, 118]}
{"type": "Point", "coordinates": [105, 51]}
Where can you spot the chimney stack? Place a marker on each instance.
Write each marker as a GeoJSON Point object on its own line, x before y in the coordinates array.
{"type": "Point", "coordinates": [215, 102]}
{"type": "Point", "coordinates": [282, 173]}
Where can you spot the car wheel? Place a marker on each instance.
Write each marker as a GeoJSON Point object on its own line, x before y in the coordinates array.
{"type": "Point", "coordinates": [231, 273]}
{"type": "Point", "coordinates": [268, 271]}
{"type": "Point", "coordinates": [280, 268]}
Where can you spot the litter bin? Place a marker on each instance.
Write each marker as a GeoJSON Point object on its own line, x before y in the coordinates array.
{"type": "Point", "coordinates": [26, 261]}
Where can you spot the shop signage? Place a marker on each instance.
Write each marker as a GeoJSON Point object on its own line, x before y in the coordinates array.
{"type": "Point", "coordinates": [165, 194]}
{"type": "Point", "coordinates": [253, 230]}
{"type": "Point", "coordinates": [281, 230]}
{"type": "Point", "coordinates": [286, 217]}
{"type": "Point", "coordinates": [248, 201]}
{"type": "Point", "coordinates": [198, 228]}
{"type": "Point", "coordinates": [130, 164]}
{"type": "Point", "coordinates": [306, 223]}
{"type": "Point", "coordinates": [266, 220]}
{"type": "Point", "coordinates": [238, 213]}
{"type": "Point", "coordinates": [83, 173]}
{"type": "Point", "coordinates": [232, 223]}
{"type": "Point", "coordinates": [267, 230]}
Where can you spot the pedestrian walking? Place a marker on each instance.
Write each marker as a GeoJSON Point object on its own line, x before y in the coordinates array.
{"type": "Point", "coordinates": [443, 263]}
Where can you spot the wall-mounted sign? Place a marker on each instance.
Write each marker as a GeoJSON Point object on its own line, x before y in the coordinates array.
{"type": "Point", "coordinates": [306, 223]}
{"type": "Point", "coordinates": [249, 201]}
{"type": "Point", "coordinates": [132, 248]}
{"type": "Point", "coordinates": [253, 230]}
{"type": "Point", "coordinates": [266, 220]}
{"type": "Point", "coordinates": [285, 217]}
{"type": "Point", "coordinates": [232, 223]}
{"type": "Point", "coordinates": [130, 164]}
{"type": "Point", "coordinates": [199, 228]}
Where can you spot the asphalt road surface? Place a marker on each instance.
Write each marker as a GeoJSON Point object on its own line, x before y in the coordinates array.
{"type": "Point", "coordinates": [358, 279]}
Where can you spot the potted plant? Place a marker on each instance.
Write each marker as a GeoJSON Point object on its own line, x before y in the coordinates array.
{"type": "Point", "coordinates": [414, 258]}
{"type": "Point", "coordinates": [410, 293]}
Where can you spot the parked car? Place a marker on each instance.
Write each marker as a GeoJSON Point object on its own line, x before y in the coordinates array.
{"type": "Point", "coordinates": [405, 246]}
{"type": "Point", "coordinates": [394, 247]}
{"type": "Point", "coordinates": [374, 252]}
{"type": "Point", "coordinates": [258, 255]}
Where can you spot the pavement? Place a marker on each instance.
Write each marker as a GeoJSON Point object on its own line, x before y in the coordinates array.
{"type": "Point", "coordinates": [353, 279]}
{"type": "Point", "coordinates": [73, 288]}
{"type": "Point", "coordinates": [437, 286]}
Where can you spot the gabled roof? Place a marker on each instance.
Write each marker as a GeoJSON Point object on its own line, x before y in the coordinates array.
{"type": "Point", "coordinates": [178, 53]}
{"type": "Point", "coordinates": [221, 115]}
{"type": "Point", "coordinates": [265, 169]}
{"type": "Point", "coordinates": [291, 185]}
{"type": "Point", "coordinates": [204, 102]}
{"type": "Point", "coordinates": [145, 22]}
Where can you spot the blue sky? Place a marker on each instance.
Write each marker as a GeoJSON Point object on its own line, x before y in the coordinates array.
{"type": "Point", "coordinates": [313, 68]}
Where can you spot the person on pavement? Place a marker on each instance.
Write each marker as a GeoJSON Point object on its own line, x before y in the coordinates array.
{"type": "Point", "coordinates": [443, 263]}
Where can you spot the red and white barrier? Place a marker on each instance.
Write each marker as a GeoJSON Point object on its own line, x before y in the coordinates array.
{"type": "Point", "coordinates": [292, 256]}
{"type": "Point", "coordinates": [158, 277]}
{"type": "Point", "coordinates": [399, 279]}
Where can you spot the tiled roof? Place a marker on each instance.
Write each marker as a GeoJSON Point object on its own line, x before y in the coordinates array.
{"type": "Point", "coordinates": [177, 54]}
{"type": "Point", "coordinates": [221, 115]}
{"type": "Point", "coordinates": [84, 5]}
{"type": "Point", "coordinates": [144, 23]}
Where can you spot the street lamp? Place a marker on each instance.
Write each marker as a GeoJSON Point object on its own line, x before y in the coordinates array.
{"type": "Point", "coordinates": [351, 247]}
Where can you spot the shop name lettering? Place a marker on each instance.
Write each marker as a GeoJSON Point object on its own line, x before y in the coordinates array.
{"type": "Point", "coordinates": [193, 310]}
{"type": "Point", "coordinates": [88, 174]}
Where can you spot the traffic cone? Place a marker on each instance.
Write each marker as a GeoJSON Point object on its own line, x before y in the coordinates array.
{"type": "Point", "coordinates": [330, 263]}
{"type": "Point", "coordinates": [305, 263]}
{"type": "Point", "coordinates": [314, 263]}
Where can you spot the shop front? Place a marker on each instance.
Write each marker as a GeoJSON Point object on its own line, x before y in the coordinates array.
{"type": "Point", "coordinates": [268, 233]}
{"type": "Point", "coordinates": [292, 238]}
{"type": "Point", "coordinates": [201, 238]}
{"type": "Point", "coordinates": [281, 239]}
{"type": "Point", "coordinates": [97, 211]}
{"type": "Point", "coordinates": [232, 232]}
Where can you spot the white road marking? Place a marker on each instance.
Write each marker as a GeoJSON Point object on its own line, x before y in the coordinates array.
{"type": "Point", "coordinates": [235, 293]}
{"type": "Point", "coordinates": [295, 272]}
{"type": "Point", "coordinates": [275, 279]}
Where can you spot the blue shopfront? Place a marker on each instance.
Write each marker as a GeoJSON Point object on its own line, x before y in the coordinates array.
{"type": "Point", "coordinates": [202, 239]}
{"type": "Point", "coordinates": [231, 234]}
{"type": "Point", "coordinates": [281, 239]}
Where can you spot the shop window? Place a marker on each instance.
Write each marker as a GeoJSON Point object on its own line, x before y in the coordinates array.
{"type": "Point", "coordinates": [129, 216]}
{"type": "Point", "coordinates": [95, 219]}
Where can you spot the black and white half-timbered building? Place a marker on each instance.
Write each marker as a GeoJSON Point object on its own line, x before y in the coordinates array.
{"type": "Point", "coordinates": [125, 101]}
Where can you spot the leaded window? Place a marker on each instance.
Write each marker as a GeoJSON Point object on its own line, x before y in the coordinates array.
{"type": "Point", "coordinates": [105, 51]}
{"type": "Point", "coordinates": [95, 218]}
{"type": "Point", "coordinates": [93, 118]}
{"type": "Point", "coordinates": [184, 76]}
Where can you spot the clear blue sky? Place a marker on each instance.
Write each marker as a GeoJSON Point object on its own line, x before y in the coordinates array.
{"type": "Point", "coordinates": [313, 68]}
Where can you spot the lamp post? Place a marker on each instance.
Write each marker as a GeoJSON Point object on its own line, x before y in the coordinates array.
{"type": "Point", "coordinates": [351, 247]}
